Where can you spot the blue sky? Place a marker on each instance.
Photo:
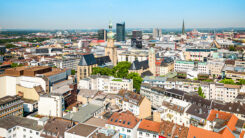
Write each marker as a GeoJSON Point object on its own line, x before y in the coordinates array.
{"type": "Point", "coordinates": [95, 14]}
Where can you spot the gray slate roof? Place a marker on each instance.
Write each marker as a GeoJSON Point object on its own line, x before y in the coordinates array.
{"type": "Point", "coordinates": [137, 65]}
{"type": "Point", "coordinates": [84, 113]}
{"type": "Point", "coordinates": [87, 60]}
{"type": "Point", "coordinates": [12, 121]}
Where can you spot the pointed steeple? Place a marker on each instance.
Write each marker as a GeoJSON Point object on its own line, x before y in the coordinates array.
{"type": "Point", "coordinates": [183, 28]}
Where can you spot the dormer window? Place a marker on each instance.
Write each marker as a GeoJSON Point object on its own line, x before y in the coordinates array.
{"type": "Point", "coordinates": [162, 133]}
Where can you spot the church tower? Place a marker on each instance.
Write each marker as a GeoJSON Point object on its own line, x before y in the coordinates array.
{"type": "Point", "coordinates": [152, 61]}
{"type": "Point", "coordinates": [110, 49]}
{"type": "Point", "coordinates": [183, 28]}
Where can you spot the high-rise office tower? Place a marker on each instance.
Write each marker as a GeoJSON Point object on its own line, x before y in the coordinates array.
{"type": "Point", "coordinates": [136, 40]}
{"type": "Point", "coordinates": [102, 34]}
{"type": "Point", "coordinates": [156, 33]}
{"type": "Point", "coordinates": [137, 34]}
{"type": "Point", "coordinates": [120, 31]}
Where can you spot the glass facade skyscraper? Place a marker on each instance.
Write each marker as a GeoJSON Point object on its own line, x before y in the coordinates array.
{"type": "Point", "coordinates": [120, 32]}
{"type": "Point", "coordinates": [102, 34]}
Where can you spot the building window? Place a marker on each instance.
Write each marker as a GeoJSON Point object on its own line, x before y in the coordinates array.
{"type": "Point", "coordinates": [140, 133]}
{"type": "Point", "coordinates": [24, 130]}
{"type": "Point", "coordinates": [37, 133]}
{"type": "Point", "coordinates": [128, 131]}
{"type": "Point", "coordinates": [147, 134]}
{"type": "Point", "coordinates": [154, 136]}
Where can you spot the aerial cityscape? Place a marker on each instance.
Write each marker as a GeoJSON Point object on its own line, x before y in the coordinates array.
{"type": "Point", "coordinates": [122, 69]}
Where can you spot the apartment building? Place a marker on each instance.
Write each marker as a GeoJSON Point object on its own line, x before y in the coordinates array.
{"type": "Point", "coordinates": [56, 127]}
{"type": "Point", "coordinates": [157, 95]}
{"type": "Point", "coordinates": [67, 89]}
{"type": "Point", "coordinates": [15, 127]}
{"type": "Point", "coordinates": [162, 129]}
{"type": "Point", "coordinates": [165, 68]}
{"type": "Point", "coordinates": [215, 67]}
{"type": "Point", "coordinates": [224, 92]}
{"type": "Point", "coordinates": [107, 84]}
{"type": "Point", "coordinates": [186, 66]}
{"type": "Point", "coordinates": [11, 106]}
{"type": "Point", "coordinates": [234, 75]}
{"type": "Point", "coordinates": [20, 79]}
{"type": "Point", "coordinates": [147, 128]}
{"type": "Point", "coordinates": [125, 123]}
{"type": "Point", "coordinates": [54, 107]}
{"type": "Point", "coordinates": [139, 105]}
{"type": "Point", "coordinates": [173, 110]}
{"type": "Point", "coordinates": [198, 54]}
{"type": "Point", "coordinates": [88, 131]}
{"type": "Point", "coordinates": [70, 63]}
{"type": "Point", "coordinates": [215, 91]}
{"type": "Point", "coordinates": [219, 124]}
{"type": "Point", "coordinates": [132, 56]}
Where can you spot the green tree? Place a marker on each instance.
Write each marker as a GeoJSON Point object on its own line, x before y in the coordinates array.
{"type": "Point", "coordinates": [232, 48]}
{"type": "Point", "coordinates": [73, 72]}
{"type": "Point", "coordinates": [121, 69]}
{"type": "Point", "coordinates": [14, 65]}
{"type": "Point", "coordinates": [137, 80]}
{"type": "Point", "coordinates": [241, 82]}
{"type": "Point", "coordinates": [201, 93]}
{"type": "Point", "coordinates": [10, 46]}
{"type": "Point", "coordinates": [227, 81]}
{"type": "Point", "coordinates": [102, 71]}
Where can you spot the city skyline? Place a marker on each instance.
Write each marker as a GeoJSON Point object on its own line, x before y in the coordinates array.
{"type": "Point", "coordinates": [96, 14]}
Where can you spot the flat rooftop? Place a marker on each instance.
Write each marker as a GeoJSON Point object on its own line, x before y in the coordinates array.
{"type": "Point", "coordinates": [84, 113]}
{"type": "Point", "coordinates": [8, 99]}
{"type": "Point", "coordinates": [54, 72]}
{"type": "Point", "coordinates": [82, 130]}
{"type": "Point", "coordinates": [12, 121]}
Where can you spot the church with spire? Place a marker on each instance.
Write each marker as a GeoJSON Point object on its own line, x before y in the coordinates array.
{"type": "Point", "coordinates": [183, 28]}
{"type": "Point", "coordinates": [183, 34]}
{"type": "Point", "coordinates": [110, 49]}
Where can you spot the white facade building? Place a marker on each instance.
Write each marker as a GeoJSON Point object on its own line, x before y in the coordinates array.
{"type": "Point", "coordinates": [20, 127]}
{"type": "Point", "coordinates": [106, 84]}
{"type": "Point", "coordinates": [51, 105]}
{"type": "Point", "coordinates": [174, 110]}
{"type": "Point", "coordinates": [186, 66]}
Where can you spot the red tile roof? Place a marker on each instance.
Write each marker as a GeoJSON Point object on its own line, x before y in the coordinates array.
{"type": "Point", "coordinates": [242, 134]}
{"type": "Point", "coordinates": [231, 118]}
{"type": "Point", "coordinates": [214, 114]}
{"type": "Point", "coordinates": [232, 122]}
{"type": "Point", "coordinates": [124, 119]}
{"type": "Point", "coordinates": [150, 126]}
{"type": "Point", "coordinates": [202, 133]}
